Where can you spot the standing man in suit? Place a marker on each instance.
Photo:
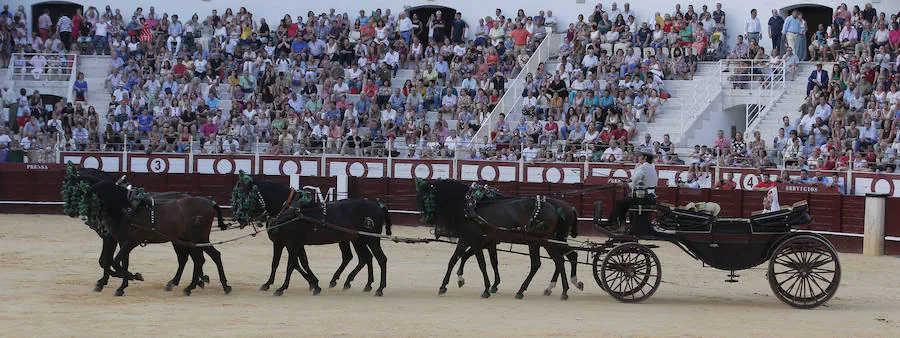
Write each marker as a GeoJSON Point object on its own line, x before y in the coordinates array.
{"type": "Point", "coordinates": [818, 79]}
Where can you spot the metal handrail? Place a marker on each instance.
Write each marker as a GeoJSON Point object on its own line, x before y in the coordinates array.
{"type": "Point", "coordinates": [513, 92]}
{"type": "Point", "coordinates": [19, 65]}
{"type": "Point", "coordinates": [72, 77]}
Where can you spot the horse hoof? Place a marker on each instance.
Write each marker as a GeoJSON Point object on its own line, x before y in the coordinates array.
{"type": "Point", "coordinates": [98, 288]}
{"type": "Point", "coordinates": [485, 294]}
{"type": "Point", "coordinates": [138, 276]}
{"type": "Point", "coordinates": [520, 295]}
{"type": "Point", "coordinates": [461, 282]}
{"type": "Point", "coordinates": [170, 286]}
{"type": "Point", "coordinates": [264, 287]}
{"type": "Point", "coordinates": [346, 286]}
{"type": "Point", "coordinates": [580, 286]}
{"type": "Point", "coordinates": [278, 292]}
{"type": "Point", "coordinates": [201, 284]}
{"type": "Point", "coordinates": [227, 289]}
{"type": "Point", "coordinates": [442, 291]}
{"type": "Point", "coordinates": [311, 287]}
{"type": "Point", "coordinates": [548, 292]}
{"type": "Point", "coordinates": [379, 293]}
{"type": "Point", "coordinates": [187, 292]}
{"type": "Point", "coordinates": [332, 284]}
{"type": "Point", "coordinates": [119, 293]}
{"type": "Point", "coordinates": [564, 297]}
{"type": "Point", "coordinates": [205, 279]}
{"type": "Point", "coordinates": [367, 288]}
{"type": "Point", "coordinates": [494, 289]}
{"type": "Point", "coordinates": [317, 291]}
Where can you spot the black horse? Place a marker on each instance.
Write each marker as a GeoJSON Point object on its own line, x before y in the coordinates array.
{"type": "Point", "coordinates": [314, 223]}
{"type": "Point", "coordinates": [184, 221]}
{"type": "Point", "coordinates": [484, 219]}
{"type": "Point", "coordinates": [259, 200]}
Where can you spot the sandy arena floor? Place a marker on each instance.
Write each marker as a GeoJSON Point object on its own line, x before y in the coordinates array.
{"type": "Point", "coordinates": [49, 266]}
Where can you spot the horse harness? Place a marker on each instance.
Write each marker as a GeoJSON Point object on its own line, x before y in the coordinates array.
{"type": "Point", "coordinates": [478, 192]}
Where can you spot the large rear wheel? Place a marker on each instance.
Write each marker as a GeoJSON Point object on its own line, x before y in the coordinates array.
{"type": "Point", "coordinates": [804, 271]}
{"type": "Point", "coordinates": [630, 273]}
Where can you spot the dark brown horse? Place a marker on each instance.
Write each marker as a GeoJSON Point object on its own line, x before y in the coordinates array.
{"type": "Point", "coordinates": [495, 219]}
{"type": "Point", "coordinates": [314, 223]}
{"type": "Point", "coordinates": [184, 221]}
{"type": "Point", "coordinates": [259, 200]}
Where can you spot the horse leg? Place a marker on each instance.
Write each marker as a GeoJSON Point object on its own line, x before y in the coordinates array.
{"type": "Point", "coordinates": [182, 254]}
{"type": "Point", "coordinates": [122, 257]}
{"type": "Point", "coordinates": [573, 260]}
{"type": "Point", "coordinates": [492, 252]}
{"type": "Point", "coordinates": [481, 265]}
{"type": "Point", "coordinates": [364, 257]}
{"type": "Point", "coordinates": [460, 280]}
{"type": "Point", "coordinates": [460, 250]}
{"type": "Point", "coordinates": [276, 259]}
{"type": "Point", "coordinates": [304, 262]}
{"type": "Point", "coordinates": [216, 256]}
{"type": "Point", "coordinates": [535, 254]}
{"type": "Point", "coordinates": [109, 246]}
{"type": "Point", "coordinates": [198, 259]}
{"type": "Point", "coordinates": [560, 263]}
{"type": "Point", "coordinates": [292, 262]}
{"type": "Point", "coordinates": [346, 257]}
{"type": "Point", "coordinates": [375, 246]}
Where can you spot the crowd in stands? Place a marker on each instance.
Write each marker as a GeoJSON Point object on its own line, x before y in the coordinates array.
{"type": "Point", "coordinates": [228, 83]}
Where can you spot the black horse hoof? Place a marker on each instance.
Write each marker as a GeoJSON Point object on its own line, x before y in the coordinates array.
{"type": "Point", "coordinates": [442, 291]}
{"type": "Point", "coordinates": [311, 287]}
{"type": "Point", "coordinates": [264, 287]}
{"type": "Point", "coordinates": [119, 293]}
{"type": "Point", "coordinates": [170, 286]}
{"type": "Point", "coordinates": [205, 279]}
{"type": "Point", "coordinates": [98, 288]}
{"type": "Point", "coordinates": [227, 289]}
{"type": "Point", "coordinates": [485, 294]}
{"type": "Point", "coordinates": [367, 288]}
{"type": "Point", "coordinates": [520, 295]}
{"type": "Point", "coordinates": [580, 286]}
{"type": "Point", "coordinates": [346, 286]}
{"type": "Point", "coordinates": [564, 297]}
{"type": "Point", "coordinates": [316, 291]}
{"type": "Point", "coordinates": [332, 284]}
{"type": "Point", "coordinates": [187, 292]}
{"type": "Point", "coordinates": [460, 282]}
{"type": "Point", "coordinates": [138, 276]}
{"type": "Point", "coordinates": [548, 291]}
{"type": "Point", "coordinates": [379, 293]}
{"type": "Point", "coordinates": [278, 292]}
{"type": "Point", "coordinates": [494, 289]}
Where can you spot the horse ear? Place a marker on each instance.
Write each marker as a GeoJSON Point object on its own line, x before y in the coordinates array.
{"type": "Point", "coordinates": [420, 183]}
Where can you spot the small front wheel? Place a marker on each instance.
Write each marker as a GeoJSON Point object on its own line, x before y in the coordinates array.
{"type": "Point", "coordinates": [630, 273]}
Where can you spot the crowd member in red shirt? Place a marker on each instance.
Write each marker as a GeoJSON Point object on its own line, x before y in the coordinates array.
{"type": "Point", "coordinates": [520, 38]}
{"type": "Point", "coordinates": [726, 183]}
{"type": "Point", "coordinates": [765, 184]}
{"type": "Point", "coordinates": [620, 134]}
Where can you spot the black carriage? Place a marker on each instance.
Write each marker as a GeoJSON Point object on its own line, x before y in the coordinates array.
{"type": "Point", "coordinates": [803, 267]}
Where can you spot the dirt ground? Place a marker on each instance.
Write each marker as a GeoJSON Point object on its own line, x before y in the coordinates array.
{"type": "Point", "coordinates": [49, 266]}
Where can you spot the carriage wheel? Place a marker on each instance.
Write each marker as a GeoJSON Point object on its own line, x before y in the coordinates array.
{"type": "Point", "coordinates": [598, 262]}
{"type": "Point", "coordinates": [630, 273]}
{"type": "Point", "coordinates": [804, 271]}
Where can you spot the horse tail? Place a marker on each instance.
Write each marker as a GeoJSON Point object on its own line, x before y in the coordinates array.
{"type": "Point", "coordinates": [219, 215]}
{"type": "Point", "coordinates": [573, 231]}
{"type": "Point", "coordinates": [387, 218]}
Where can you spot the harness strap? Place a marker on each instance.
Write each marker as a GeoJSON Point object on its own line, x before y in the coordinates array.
{"type": "Point", "coordinates": [287, 201]}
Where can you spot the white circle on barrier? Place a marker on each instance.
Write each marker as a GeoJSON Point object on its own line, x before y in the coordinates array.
{"type": "Point", "coordinates": [289, 167]}
{"type": "Point", "coordinates": [357, 169]}
{"type": "Point", "coordinates": [488, 173]}
{"type": "Point", "coordinates": [91, 162]}
{"type": "Point", "coordinates": [553, 175]}
{"type": "Point", "coordinates": [422, 170]}
{"type": "Point", "coordinates": [224, 167]}
{"type": "Point", "coordinates": [158, 165]}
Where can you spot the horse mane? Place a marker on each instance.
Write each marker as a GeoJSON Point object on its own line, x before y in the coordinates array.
{"type": "Point", "coordinates": [272, 192]}
{"type": "Point", "coordinates": [449, 202]}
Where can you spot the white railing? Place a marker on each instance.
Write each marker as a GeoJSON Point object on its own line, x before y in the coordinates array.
{"type": "Point", "coordinates": [699, 98]}
{"type": "Point", "coordinates": [72, 77]}
{"type": "Point", "coordinates": [41, 67]}
{"type": "Point", "coordinates": [760, 77]}
{"type": "Point", "coordinates": [548, 47]}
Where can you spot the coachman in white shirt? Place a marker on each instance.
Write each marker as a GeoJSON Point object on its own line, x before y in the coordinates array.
{"type": "Point", "coordinates": [644, 178]}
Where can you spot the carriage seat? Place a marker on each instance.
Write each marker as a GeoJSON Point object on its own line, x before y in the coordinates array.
{"type": "Point", "coordinates": [685, 219]}
{"type": "Point", "coordinates": [781, 220]}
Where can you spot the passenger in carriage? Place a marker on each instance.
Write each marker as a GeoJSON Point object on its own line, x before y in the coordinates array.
{"type": "Point", "coordinates": [770, 202]}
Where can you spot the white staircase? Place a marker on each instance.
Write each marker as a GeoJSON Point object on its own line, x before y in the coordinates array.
{"type": "Point", "coordinates": [788, 105]}
{"type": "Point", "coordinates": [690, 98]}
{"type": "Point", "coordinates": [95, 69]}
